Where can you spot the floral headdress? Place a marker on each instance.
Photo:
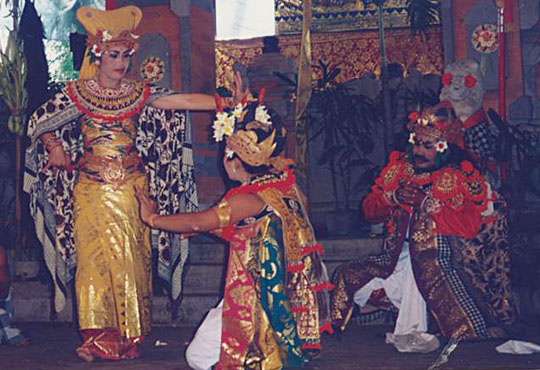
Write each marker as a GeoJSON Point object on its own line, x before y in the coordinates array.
{"type": "Point", "coordinates": [237, 126]}
{"type": "Point", "coordinates": [105, 29]}
{"type": "Point", "coordinates": [440, 123]}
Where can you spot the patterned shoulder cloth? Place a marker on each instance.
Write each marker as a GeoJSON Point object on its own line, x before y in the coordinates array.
{"type": "Point", "coordinates": [164, 143]}
{"type": "Point", "coordinates": [51, 203]}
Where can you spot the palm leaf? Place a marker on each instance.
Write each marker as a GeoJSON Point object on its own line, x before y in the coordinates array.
{"type": "Point", "coordinates": [422, 14]}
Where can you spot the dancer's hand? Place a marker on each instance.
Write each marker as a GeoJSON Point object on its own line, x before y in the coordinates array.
{"type": "Point", "coordinates": [239, 93]}
{"type": "Point", "coordinates": [58, 158]}
{"type": "Point", "coordinates": [147, 207]}
{"type": "Point", "coordinates": [410, 194]}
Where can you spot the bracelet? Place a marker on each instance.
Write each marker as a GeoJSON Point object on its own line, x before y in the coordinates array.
{"type": "Point", "coordinates": [223, 211]}
{"type": "Point", "coordinates": [152, 220]}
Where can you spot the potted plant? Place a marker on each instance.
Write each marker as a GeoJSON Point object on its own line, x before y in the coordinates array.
{"type": "Point", "coordinates": [344, 124]}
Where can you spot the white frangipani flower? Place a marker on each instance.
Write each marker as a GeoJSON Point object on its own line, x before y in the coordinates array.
{"type": "Point", "coordinates": [106, 36]}
{"type": "Point", "coordinates": [441, 146]}
{"type": "Point", "coordinates": [261, 115]}
{"type": "Point", "coordinates": [237, 112]}
{"type": "Point", "coordinates": [229, 153]}
{"type": "Point", "coordinates": [218, 130]}
{"type": "Point", "coordinates": [96, 51]}
{"type": "Point", "coordinates": [228, 125]}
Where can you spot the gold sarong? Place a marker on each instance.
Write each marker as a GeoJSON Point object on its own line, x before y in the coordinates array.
{"type": "Point", "coordinates": [113, 278]}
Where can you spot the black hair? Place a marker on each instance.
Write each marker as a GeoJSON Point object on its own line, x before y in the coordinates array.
{"type": "Point", "coordinates": [452, 156]}
{"type": "Point", "coordinates": [270, 44]}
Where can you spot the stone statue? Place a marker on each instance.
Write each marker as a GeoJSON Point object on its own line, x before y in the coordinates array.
{"type": "Point", "coordinates": [463, 87]}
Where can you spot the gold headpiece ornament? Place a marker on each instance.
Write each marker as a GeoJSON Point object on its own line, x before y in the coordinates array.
{"type": "Point", "coordinates": [440, 123]}
{"type": "Point", "coordinates": [242, 139]}
{"type": "Point", "coordinates": [106, 28]}
{"type": "Point", "coordinates": [244, 144]}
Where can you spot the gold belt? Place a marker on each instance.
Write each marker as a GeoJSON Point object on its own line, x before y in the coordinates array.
{"type": "Point", "coordinates": [109, 170]}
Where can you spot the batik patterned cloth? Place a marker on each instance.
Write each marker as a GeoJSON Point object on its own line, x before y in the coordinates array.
{"type": "Point", "coordinates": [454, 239]}
{"type": "Point", "coordinates": [145, 140]}
{"type": "Point", "coordinates": [276, 301]}
{"type": "Point", "coordinates": [9, 334]}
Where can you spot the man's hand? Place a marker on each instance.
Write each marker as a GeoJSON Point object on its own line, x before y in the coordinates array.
{"type": "Point", "coordinates": [146, 206]}
{"type": "Point", "coordinates": [410, 194]}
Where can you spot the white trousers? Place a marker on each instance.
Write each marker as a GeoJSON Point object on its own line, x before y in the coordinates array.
{"type": "Point", "coordinates": [401, 289]}
{"type": "Point", "coordinates": [203, 351]}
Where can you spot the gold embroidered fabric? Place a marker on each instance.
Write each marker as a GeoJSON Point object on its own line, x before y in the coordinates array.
{"type": "Point", "coordinates": [355, 52]}
{"type": "Point", "coordinates": [274, 267]}
{"type": "Point", "coordinates": [110, 155]}
{"type": "Point", "coordinates": [113, 279]}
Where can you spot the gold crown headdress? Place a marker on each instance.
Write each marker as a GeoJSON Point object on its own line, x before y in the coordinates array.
{"type": "Point", "coordinates": [243, 140]}
{"type": "Point", "coordinates": [440, 123]}
{"type": "Point", "coordinates": [106, 28]}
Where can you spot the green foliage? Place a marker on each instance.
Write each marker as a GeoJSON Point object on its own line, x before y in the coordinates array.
{"type": "Point", "coordinates": [60, 61]}
{"type": "Point", "coordinates": [422, 13]}
{"type": "Point", "coordinates": [12, 80]}
{"type": "Point", "coordinates": [521, 149]}
{"type": "Point", "coordinates": [345, 122]}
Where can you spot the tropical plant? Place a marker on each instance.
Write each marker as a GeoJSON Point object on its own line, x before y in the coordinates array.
{"type": "Point", "coordinates": [12, 80]}
{"type": "Point", "coordinates": [421, 14]}
{"type": "Point", "coordinates": [519, 148]}
{"type": "Point", "coordinates": [13, 70]}
{"type": "Point", "coordinates": [345, 123]}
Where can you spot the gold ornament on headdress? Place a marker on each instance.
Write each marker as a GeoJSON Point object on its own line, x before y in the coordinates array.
{"type": "Point", "coordinates": [244, 144]}
{"type": "Point", "coordinates": [106, 28]}
{"type": "Point", "coordinates": [439, 123]}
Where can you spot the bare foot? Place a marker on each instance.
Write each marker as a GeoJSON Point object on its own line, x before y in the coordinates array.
{"type": "Point", "coordinates": [84, 354]}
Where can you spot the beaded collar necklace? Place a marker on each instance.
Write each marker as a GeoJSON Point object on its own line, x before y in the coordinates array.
{"type": "Point", "coordinates": [108, 104]}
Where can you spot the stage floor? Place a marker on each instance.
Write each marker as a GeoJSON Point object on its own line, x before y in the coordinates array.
{"type": "Point", "coordinates": [361, 347]}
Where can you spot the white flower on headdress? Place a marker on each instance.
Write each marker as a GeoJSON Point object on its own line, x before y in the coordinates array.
{"type": "Point", "coordinates": [229, 153]}
{"type": "Point", "coordinates": [261, 115]}
{"type": "Point", "coordinates": [106, 36]}
{"type": "Point", "coordinates": [218, 130]}
{"type": "Point", "coordinates": [441, 146]}
{"type": "Point", "coordinates": [223, 125]}
{"type": "Point", "coordinates": [237, 112]}
{"type": "Point", "coordinates": [228, 125]}
{"type": "Point", "coordinates": [412, 138]}
{"type": "Point", "coordinates": [96, 51]}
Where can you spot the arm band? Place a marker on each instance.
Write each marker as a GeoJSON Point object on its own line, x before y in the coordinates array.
{"type": "Point", "coordinates": [223, 211]}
